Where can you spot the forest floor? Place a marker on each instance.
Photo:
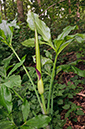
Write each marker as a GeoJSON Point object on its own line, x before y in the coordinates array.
{"type": "Point", "coordinates": [79, 99]}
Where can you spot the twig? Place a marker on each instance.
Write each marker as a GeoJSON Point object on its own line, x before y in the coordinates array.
{"type": "Point", "coordinates": [47, 9]}
{"type": "Point", "coordinates": [81, 94]}
{"type": "Point", "coordinates": [50, 7]}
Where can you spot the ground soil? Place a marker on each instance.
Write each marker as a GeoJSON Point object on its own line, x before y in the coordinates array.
{"type": "Point", "coordinates": [79, 100]}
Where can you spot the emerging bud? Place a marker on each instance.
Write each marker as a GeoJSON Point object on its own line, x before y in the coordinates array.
{"type": "Point", "coordinates": [40, 86]}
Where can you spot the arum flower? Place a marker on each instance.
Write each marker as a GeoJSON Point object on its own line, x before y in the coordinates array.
{"type": "Point", "coordinates": [40, 83]}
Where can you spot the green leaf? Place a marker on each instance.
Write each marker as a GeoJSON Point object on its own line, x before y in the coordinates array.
{"type": "Point", "coordinates": [70, 95]}
{"type": "Point", "coordinates": [6, 27]}
{"type": "Point", "coordinates": [66, 106]}
{"type": "Point", "coordinates": [4, 113]}
{"type": "Point", "coordinates": [69, 127]}
{"type": "Point", "coordinates": [4, 124]}
{"type": "Point", "coordinates": [7, 60]}
{"type": "Point", "coordinates": [63, 39]}
{"type": "Point", "coordinates": [15, 67]}
{"type": "Point", "coordinates": [37, 122]}
{"type": "Point", "coordinates": [78, 55]}
{"type": "Point", "coordinates": [57, 127]}
{"type": "Point", "coordinates": [25, 110]}
{"type": "Point", "coordinates": [73, 86]}
{"type": "Point", "coordinates": [67, 66]}
{"type": "Point", "coordinates": [66, 31]}
{"type": "Point", "coordinates": [80, 112]}
{"type": "Point", "coordinates": [61, 44]}
{"type": "Point", "coordinates": [62, 86]}
{"type": "Point", "coordinates": [48, 54]}
{"type": "Point", "coordinates": [74, 119]}
{"type": "Point", "coordinates": [47, 68]}
{"type": "Point", "coordinates": [60, 101]}
{"type": "Point", "coordinates": [59, 92]}
{"type": "Point", "coordinates": [2, 72]}
{"type": "Point", "coordinates": [78, 71]}
{"type": "Point", "coordinates": [2, 36]}
{"type": "Point", "coordinates": [29, 42]}
{"type": "Point", "coordinates": [62, 67]}
{"type": "Point", "coordinates": [58, 43]}
{"type": "Point", "coordinates": [74, 107]}
{"type": "Point", "coordinates": [68, 113]}
{"type": "Point", "coordinates": [14, 80]}
{"type": "Point", "coordinates": [46, 43]}
{"type": "Point", "coordinates": [1, 80]}
{"type": "Point", "coordinates": [5, 98]}
{"type": "Point", "coordinates": [14, 24]}
{"type": "Point", "coordinates": [6, 31]}
{"type": "Point", "coordinates": [45, 61]}
{"type": "Point", "coordinates": [60, 123]}
{"type": "Point", "coordinates": [80, 37]}
{"type": "Point", "coordinates": [64, 45]}
{"type": "Point", "coordinates": [34, 21]}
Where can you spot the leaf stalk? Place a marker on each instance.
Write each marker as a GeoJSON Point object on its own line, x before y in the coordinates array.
{"type": "Point", "coordinates": [51, 87]}
{"type": "Point", "coordinates": [28, 77]}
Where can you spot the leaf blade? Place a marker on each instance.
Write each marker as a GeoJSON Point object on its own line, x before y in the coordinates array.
{"type": "Point", "coordinates": [5, 98]}
{"type": "Point", "coordinates": [25, 110]}
{"type": "Point", "coordinates": [33, 20]}
{"type": "Point", "coordinates": [37, 122]}
{"type": "Point", "coordinates": [66, 31]}
{"type": "Point", "coordinates": [14, 80]}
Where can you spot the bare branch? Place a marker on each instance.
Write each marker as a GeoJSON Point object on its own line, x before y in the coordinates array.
{"type": "Point", "coordinates": [51, 6]}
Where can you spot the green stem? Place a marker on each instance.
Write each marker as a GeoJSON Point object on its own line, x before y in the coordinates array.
{"type": "Point", "coordinates": [18, 95]}
{"type": "Point", "coordinates": [43, 102]}
{"type": "Point", "coordinates": [52, 109]}
{"type": "Point", "coordinates": [28, 76]}
{"type": "Point", "coordinates": [51, 86]}
{"type": "Point", "coordinates": [52, 103]}
{"type": "Point", "coordinates": [38, 61]}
